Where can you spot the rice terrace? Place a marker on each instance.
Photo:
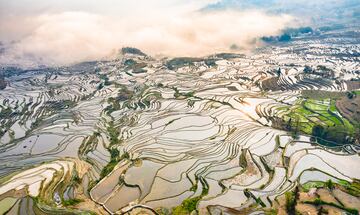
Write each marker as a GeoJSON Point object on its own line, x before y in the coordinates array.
{"type": "Point", "coordinates": [270, 130]}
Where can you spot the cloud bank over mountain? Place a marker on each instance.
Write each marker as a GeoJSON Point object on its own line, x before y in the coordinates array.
{"type": "Point", "coordinates": [54, 32]}
{"type": "Point", "coordinates": [76, 36]}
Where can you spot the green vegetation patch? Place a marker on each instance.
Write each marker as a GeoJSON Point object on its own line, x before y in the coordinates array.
{"type": "Point", "coordinates": [187, 206]}
{"type": "Point", "coordinates": [352, 188]}
{"type": "Point", "coordinates": [179, 94]}
{"type": "Point", "coordinates": [290, 198]}
{"type": "Point", "coordinates": [319, 118]}
{"type": "Point", "coordinates": [6, 204]}
{"type": "Point", "coordinates": [190, 204]}
{"type": "Point", "coordinates": [113, 134]}
{"type": "Point", "coordinates": [41, 207]}
{"type": "Point", "coordinates": [115, 158]}
{"type": "Point", "coordinates": [71, 202]}
{"type": "Point", "coordinates": [318, 184]}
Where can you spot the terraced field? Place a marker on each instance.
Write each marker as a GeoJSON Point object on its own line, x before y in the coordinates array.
{"type": "Point", "coordinates": [224, 134]}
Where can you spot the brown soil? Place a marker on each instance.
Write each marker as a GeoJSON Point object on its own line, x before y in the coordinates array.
{"type": "Point", "coordinates": [346, 199]}
{"type": "Point", "coordinates": [218, 210]}
{"type": "Point", "coordinates": [326, 195]}
{"type": "Point", "coordinates": [251, 170]}
{"type": "Point", "coordinates": [280, 204]}
{"type": "Point", "coordinates": [306, 197]}
{"type": "Point", "coordinates": [88, 205]}
{"type": "Point", "coordinates": [322, 94]}
{"type": "Point", "coordinates": [14, 193]}
{"type": "Point", "coordinates": [271, 84]}
{"type": "Point", "coordinates": [349, 108]}
{"type": "Point", "coordinates": [333, 210]}
{"type": "Point", "coordinates": [306, 209]}
{"type": "Point", "coordinates": [353, 85]}
{"type": "Point", "coordinates": [140, 211]}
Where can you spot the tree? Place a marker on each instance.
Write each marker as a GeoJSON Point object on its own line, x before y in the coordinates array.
{"type": "Point", "coordinates": [330, 184]}
{"type": "Point", "coordinates": [307, 69]}
{"type": "Point", "coordinates": [350, 95]}
{"type": "Point", "coordinates": [285, 38]}
{"type": "Point", "coordinates": [290, 203]}
{"type": "Point", "coordinates": [318, 131]}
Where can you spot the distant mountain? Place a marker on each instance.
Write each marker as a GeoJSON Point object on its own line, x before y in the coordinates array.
{"type": "Point", "coordinates": [130, 50]}
{"type": "Point", "coordinates": [318, 11]}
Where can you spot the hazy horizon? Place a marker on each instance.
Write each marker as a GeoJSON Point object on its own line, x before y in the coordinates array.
{"type": "Point", "coordinates": [52, 32]}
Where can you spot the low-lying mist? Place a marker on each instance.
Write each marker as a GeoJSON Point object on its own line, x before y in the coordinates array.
{"type": "Point", "coordinates": [70, 37]}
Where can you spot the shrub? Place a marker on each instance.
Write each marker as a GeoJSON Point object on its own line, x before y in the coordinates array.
{"type": "Point", "coordinates": [290, 202]}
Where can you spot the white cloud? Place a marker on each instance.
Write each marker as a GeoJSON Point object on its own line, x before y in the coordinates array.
{"type": "Point", "coordinates": [69, 37]}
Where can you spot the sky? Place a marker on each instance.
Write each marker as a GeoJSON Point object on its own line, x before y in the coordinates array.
{"type": "Point", "coordinates": [71, 31]}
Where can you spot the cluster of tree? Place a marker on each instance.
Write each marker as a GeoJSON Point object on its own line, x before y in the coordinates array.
{"type": "Point", "coordinates": [5, 113]}
{"type": "Point", "coordinates": [291, 198]}
{"type": "Point", "coordinates": [10, 71]}
{"type": "Point", "coordinates": [282, 38]}
{"type": "Point", "coordinates": [288, 34]}
{"type": "Point", "coordinates": [294, 32]}
{"type": "Point", "coordinates": [130, 50]}
{"type": "Point", "coordinates": [351, 94]}
{"type": "Point", "coordinates": [336, 133]}
{"type": "Point", "coordinates": [227, 56]}
{"type": "Point", "coordinates": [179, 62]}
{"type": "Point", "coordinates": [320, 70]}
{"type": "Point", "coordinates": [106, 80]}
{"type": "Point", "coordinates": [60, 105]}
{"type": "Point", "coordinates": [331, 27]}
{"type": "Point", "coordinates": [2, 82]}
{"type": "Point", "coordinates": [135, 66]}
